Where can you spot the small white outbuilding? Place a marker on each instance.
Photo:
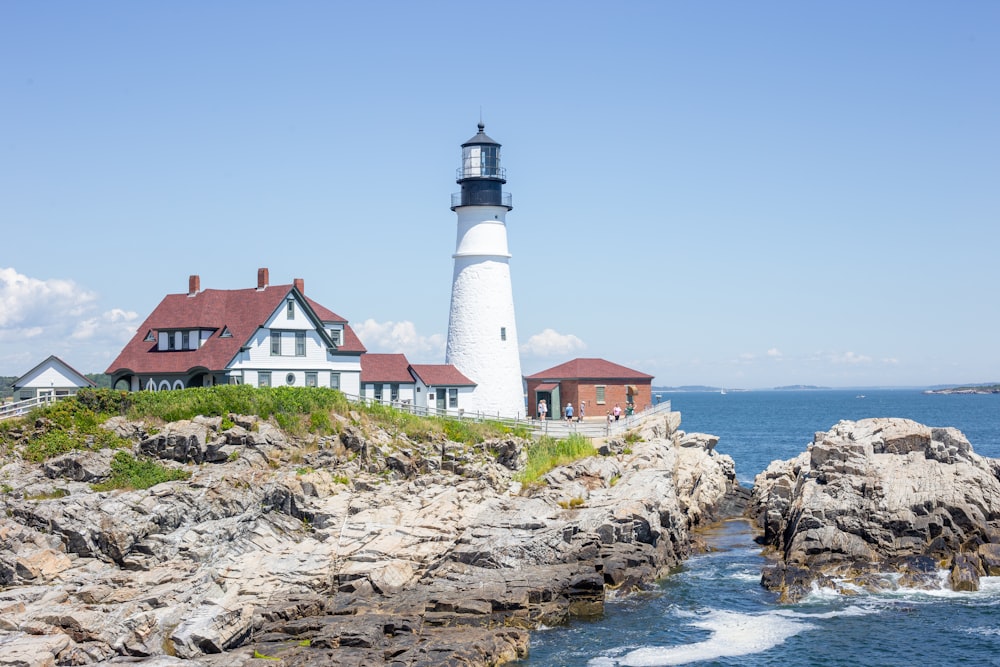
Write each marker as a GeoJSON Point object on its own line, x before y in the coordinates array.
{"type": "Point", "coordinates": [53, 377]}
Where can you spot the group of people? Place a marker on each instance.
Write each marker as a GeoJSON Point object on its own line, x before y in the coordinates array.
{"type": "Point", "coordinates": [568, 412]}
{"type": "Point", "coordinates": [543, 410]}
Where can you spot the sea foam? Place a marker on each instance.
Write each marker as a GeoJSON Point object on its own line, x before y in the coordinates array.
{"type": "Point", "coordinates": [733, 634]}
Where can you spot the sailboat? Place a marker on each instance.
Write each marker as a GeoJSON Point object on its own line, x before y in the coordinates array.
{"type": "Point", "coordinates": [723, 392]}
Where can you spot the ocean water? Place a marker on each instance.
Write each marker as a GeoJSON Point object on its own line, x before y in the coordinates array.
{"type": "Point", "coordinates": [712, 610]}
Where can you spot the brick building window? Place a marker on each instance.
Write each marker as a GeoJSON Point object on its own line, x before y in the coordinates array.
{"type": "Point", "coordinates": [600, 394]}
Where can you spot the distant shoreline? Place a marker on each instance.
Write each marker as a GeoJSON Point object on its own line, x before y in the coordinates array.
{"type": "Point", "coordinates": [991, 389]}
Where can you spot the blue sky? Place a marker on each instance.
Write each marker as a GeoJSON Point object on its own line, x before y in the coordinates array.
{"type": "Point", "coordinates": [746, 194]}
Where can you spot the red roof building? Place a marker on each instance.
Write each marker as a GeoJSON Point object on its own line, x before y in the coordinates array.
{"type": "Point", "coordinates": [596, 384]}
{"type": "Point", "coordinates": [268, 335]}
{"type": "Point", "coordinates": [432, 388]}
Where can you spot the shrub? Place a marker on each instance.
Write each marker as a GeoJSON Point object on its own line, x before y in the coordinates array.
{"type": "Point", "coordinates": [127, 472]}
{"type": "Point", "coordinates": [52, 443]}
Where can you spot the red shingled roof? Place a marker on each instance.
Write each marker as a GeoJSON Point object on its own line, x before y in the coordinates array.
{"type": "Point", "coordinates": [385, 368]}
{"type": "Point", "coordinates": [241, 311]}
{"type": "Point", "coordinates": [589, 369]}
{"type": "Point", "coordinates": [437, 375]}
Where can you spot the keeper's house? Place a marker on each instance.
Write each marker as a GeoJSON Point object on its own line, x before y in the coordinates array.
{"type": "Point", "coordinates": [598, 383]}
{"type": "Point", "coordinates": [270, 335]}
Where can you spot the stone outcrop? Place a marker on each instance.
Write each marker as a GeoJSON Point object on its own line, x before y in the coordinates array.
{"type": "Point", "coordinates": [362, 548]}
{"type": "Point", "coordinates": [878, 503]}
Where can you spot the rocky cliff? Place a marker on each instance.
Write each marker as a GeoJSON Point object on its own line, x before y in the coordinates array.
{"type": "Point", "coordinates": [880, 503]}
{"type": "Point", "coordinates": [363, 548]}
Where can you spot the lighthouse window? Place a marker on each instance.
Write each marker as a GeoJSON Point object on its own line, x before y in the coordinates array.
{"type": "Point", "coordinates": [453, 398]}
{"type": "Point", "coordinates": [503, 333]}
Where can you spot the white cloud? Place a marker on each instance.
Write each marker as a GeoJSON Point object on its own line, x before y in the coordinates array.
{"type": "Point", "coordinates": [114, 324]}
{"type": "Point", "coordinates": [774, 353]}
{"type": "Point", "coordinates": [55, 316]}
{"type": "Point", "coordinates": [551, 343]}
{"type": "Point", "coordinates": [26, 303]}
{"type": "Point", "coordinates": [850, 358]}
{"type": "Point", "coordinates": [401, 337]}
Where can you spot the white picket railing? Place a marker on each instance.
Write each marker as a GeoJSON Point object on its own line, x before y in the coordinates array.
{"type": "Point", "coordinates": [21, 408]}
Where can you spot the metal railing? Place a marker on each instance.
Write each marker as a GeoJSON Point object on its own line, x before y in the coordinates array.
{"type": "Point", "coordinates": [21, 408]}
{"type": "Point", "coordinates": [596, 429]}
{"type": "Point", "coordinates": [551, 427]}
{"type": "Point", "coordinates": [483, 199]}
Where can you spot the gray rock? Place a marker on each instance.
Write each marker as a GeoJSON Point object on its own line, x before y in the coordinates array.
{"type": "Point", "coordinates": [876, 492]}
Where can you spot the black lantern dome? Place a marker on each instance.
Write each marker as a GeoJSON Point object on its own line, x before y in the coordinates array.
{"type": "Point", "coordinates": [481, 175]}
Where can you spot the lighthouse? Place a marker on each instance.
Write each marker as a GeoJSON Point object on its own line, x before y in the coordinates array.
{"type": "Point", "coordinates": [482, 335]}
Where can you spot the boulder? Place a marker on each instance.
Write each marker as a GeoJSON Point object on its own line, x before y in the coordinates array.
{"type": "Point", "coordinates": [876, 492]}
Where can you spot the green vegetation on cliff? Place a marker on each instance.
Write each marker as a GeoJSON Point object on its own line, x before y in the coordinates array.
{"type": "Point", "coordinates": [548, 453]}
{"type": "Point", "coordinates": [74, 423]}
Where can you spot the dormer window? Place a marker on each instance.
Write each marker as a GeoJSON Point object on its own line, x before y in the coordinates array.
{"type": "Point", "coordinates": [337, 336]}
{"type": "Point", "coordinates": [226, 333]}
{"type": "Point", "coordinates": [150, 337]}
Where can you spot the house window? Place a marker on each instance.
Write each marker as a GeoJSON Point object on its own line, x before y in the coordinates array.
{"type": "Point", "coordinates": [335, 382]}
{"type": "Point", "coordinates": [25, 394]}
{"type": "Point", "coordinates": [226, 333]}
{"type": "Point", "coordinates": [171, 341]}
{"type": "Point", "coordinates": [336, 337]}
{"type": "Point", "coordinates": [290, 379]}
{"type": "Point", "coordinates": [378, 392]}
{"type": "Point", "coordinates": [600, 394]}
{"type": "Point", "coordinates": [300, 343]}
{"type": "Point", "coordinates": [453, 398]}
{"type": "Point", "coordinates": [264, 379]}
{"type": "Point", "coordinates": [275, 343]}
{"type": "Point", "coordinates": [150, 338]}
{"type": "Point", "coordinates": [393, 392]}
{"type": "Point", "coordinates": [503, 333]}
{"type": "Point", "coordinates": [310, 379]}
{"type": "Point", "coordinates": [290, 309]}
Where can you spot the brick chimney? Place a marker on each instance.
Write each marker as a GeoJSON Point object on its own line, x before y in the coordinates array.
{"type": "Point", "coordinates": [262, 278]}
{"type": "Point", "coordinates": [300, 285]}
{"type": "Point", "coordinates": [194, 285]}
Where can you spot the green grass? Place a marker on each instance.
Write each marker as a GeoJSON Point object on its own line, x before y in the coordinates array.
{"type": "Point", "coordinates": [548, 453]}
{"type": "Point", "coordinates": [127, 472]}
{"type": "Point", "coordinates": [300, 411]}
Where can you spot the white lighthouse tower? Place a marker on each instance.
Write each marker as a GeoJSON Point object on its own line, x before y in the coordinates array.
{"type": "Point", "coordinates": [482, 335]}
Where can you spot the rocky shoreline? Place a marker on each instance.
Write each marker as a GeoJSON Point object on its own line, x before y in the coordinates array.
{"type": "Point", "coordinates": [363, 548]}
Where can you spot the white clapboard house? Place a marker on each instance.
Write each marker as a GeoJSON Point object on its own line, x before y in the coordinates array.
{"type": "Point", "coordinates": [270, 335]}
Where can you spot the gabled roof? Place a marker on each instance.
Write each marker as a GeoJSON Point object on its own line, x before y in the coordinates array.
{"type": "Point", "coordinates": [242, 311]}
{"type": "Point", "coordinates": [441, 375]}
{"type": "Point", "coordinates": [350, 341]}
{"type": "Point", "coordinates": [385, 368]}
{"type": "Point", "coordinates": [51, 360]}
{"type": "Point", "coordinates": [589, 369]}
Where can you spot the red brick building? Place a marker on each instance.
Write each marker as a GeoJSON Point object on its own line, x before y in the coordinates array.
{"type": "Point", "coordinates": [598, 383]}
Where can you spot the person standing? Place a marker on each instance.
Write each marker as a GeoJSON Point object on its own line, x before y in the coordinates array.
{"type": "Point", "coordinates": [618, 411]}
{"type": "Point", "coordinates": [579, 417]}
{"type": "Point", "coordinates": [542, 409]}
{"type": "Point", "coordinates": [569, 411]}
